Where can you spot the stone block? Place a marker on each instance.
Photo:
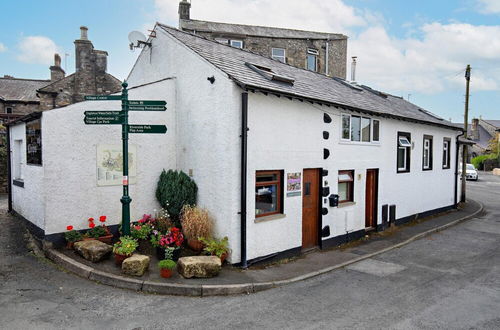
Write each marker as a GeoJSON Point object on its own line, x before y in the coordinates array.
{"type": "Point", "coordinates": [93, 250]}
{"type": "Point", "coordinates": [199, 266]}
{"type": "Point", "coordinates": [496, 171]}
{"type": "Point", "coordinates": [136, 265]}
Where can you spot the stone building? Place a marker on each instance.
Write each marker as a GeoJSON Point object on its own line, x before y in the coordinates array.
{"type": "Point", "coordinates": [24, 96]}
{"type": "Point", "coordinates": [316, 51]}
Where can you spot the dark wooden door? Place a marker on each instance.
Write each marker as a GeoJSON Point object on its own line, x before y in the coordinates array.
{"type": "Point", "coordinates": [310, 208]}
{"type": "Point", "coordinates": [371, 199]}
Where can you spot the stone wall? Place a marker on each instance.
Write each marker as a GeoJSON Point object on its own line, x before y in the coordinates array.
{"type": "Point", "coordinates": [296, 50]}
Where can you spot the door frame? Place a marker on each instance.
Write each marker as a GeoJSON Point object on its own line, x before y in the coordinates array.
{"type": "Point", "coordinates": [375, 206]}
{"type": "Point", "coordinates": [320, 203]}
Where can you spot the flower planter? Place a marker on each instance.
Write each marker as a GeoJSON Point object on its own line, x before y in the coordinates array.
{"type": "Point", "coordinates": [223, 257]}
{"type": "Point", "coordinates": [108, 239]}
{"type": "Point", "coordinates": [145, 247]}
{"type": "Point", "coordinates": [120, 257]}
{"type": "Point", "coordinates": [195, 245]}
{"type": "Point", "coordinates": [166, 273]}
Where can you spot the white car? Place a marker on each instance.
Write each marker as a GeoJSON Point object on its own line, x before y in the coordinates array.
{"type": "Point", "coordinates": [470, 173]}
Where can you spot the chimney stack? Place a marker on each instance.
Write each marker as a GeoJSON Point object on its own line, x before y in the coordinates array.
{"type": "Point", "coordinates": [56, 72]}
{"type": "Point", "coordinates": [184, 9]}
{"type": "Point", "coordinates": [474, 129]}
{"type": "Point", "coordinates": [83, 51]}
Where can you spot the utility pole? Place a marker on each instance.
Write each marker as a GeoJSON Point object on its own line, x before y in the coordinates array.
{"type": "Point", "coordinates": [466, 120]}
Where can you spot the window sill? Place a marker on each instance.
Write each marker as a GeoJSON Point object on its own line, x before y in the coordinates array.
{"type": "Point", "coordinates": [375, 144]}
{"type": "Point", "coordinates": [270, 217]}
{"type": "Point", "coordinates": [346, 204]}
{"type": "Point", "coordinates": [18, 183]}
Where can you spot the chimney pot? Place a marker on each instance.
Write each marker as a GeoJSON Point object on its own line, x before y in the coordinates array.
{"type": "Point", "coordinates": [83, 33]}
{"type": "Point", "coordinates": [57, 60]}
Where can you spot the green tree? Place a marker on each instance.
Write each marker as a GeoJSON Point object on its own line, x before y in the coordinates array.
{"type": "Point", "coordinates": [175, 189]}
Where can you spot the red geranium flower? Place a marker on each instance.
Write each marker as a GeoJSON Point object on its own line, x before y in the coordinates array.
{"type": "Point", "coordinates": [91, 225]}
{"type": "Point", "coordinates": [91, 219]}
{"type": "Point", "coordinates": [69, 228]}
{"type": "Point", "coordinates": [102, 218]}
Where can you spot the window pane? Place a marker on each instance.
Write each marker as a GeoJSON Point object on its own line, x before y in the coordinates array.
{"type": "Point", "coordinates": [311, 62]}
{"type": "Point", "coordinates": [355, 128]}
{"type": "Point", "coordinates": [404, 142]}
{"type": "Point", "coordinates": [376, 126]}
{"type": "Point", "coordinates": [345, 177]}
{"type": "Point", "coordinates": [343, 191]}
{"type": "Point", "coordinates": [267, 177]}
{"type": "Point", "coordinates": [365, 129]}
{"type": "Point", "coordinates": [401, 158]}
{"type": "Point", "coordinates": [426, 158]}
{"type": "Point", "coordinates": [34, 142]}
{"type": "Point", "coordinates": [346, 127]}
{"type": "Point", "coordinates": [237, 43]}
{"type": "Point", "coordinates": [266, 199]}
{"type": "Point", "coordinates": [278, 52]}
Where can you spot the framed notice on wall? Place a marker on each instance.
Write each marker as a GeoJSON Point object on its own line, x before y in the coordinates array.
{"type": "Point", "coordinates": [293, 184]}
{"type": "Point", "coordinates": [110, 165]}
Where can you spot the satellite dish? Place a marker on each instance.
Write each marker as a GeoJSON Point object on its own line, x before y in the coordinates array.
{"type": "Point", "coordinates": [137, 40]}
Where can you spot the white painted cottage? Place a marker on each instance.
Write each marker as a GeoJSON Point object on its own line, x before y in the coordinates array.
{"type": "Point", "coordinates": [321, 163]}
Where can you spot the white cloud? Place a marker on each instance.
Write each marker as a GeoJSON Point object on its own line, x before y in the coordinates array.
{"type": "Point", "coordinates": [37, 50]}
{"type": "Point", "coordinates": [428, 60]}
{"type": "Point", "coordinates": [2, 48]}
{"type": "Point", "coordinates": [316, 15]}
{"type": "Point", "coordinates": [488, 6]}
{"type": "Point", "coordinates": [431, 63]}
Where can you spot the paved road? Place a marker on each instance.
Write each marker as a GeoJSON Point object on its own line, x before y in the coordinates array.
{"type": "Point", "coordinates": [450, 280]}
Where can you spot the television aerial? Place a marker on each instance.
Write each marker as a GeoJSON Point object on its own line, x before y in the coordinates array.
{"type": "Point", "coordinates": [137, 40]}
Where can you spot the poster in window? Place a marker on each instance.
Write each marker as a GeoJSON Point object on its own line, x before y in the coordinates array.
{"type": "Point", "coordinates": [293, 184]}
{"type": "Point", "coordinates": [34, 142]}
{"type": "Point", "coordinates": [110, 165]}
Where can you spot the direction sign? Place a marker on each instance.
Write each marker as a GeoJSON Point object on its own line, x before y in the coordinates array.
{"type": "Point", "coordinates": [147, 108]}
{"type": "Point", "coordinates": [158, 129]}
{"type": "Point", "coordinates": [103, 118]}
{"type": "Point", "coordinates": [103, 97]}
{"type": "Point", "coordinates": [155, 103]}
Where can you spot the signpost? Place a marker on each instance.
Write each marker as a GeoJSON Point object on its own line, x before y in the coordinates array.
{"type": "Point", "coordinates": [121, 118]}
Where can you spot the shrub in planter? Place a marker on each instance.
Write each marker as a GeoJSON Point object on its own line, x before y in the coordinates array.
{"type": "Point", "coordinates": [168, 246]}
{"type": "Point", "coordinates": [141, 232]}
{"type": "Point", "coordinates": [72, 236]}
{"type": "Point", "coordinates": [166, 267]}
{"type": "Point", "coordinates": [124, 248]}
{"type": "Point", "coordinates": [196, 223]}
{"type": "Point", "coordinates": [174, 190]}
{"type": "Point", "coordinates": [216, 247]}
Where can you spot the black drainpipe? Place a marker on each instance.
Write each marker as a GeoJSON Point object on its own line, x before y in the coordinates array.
{"type": "Point", "coordinates": [243, 212]}
{"type": "Point", "coordinates": [9, 174]}
{"type": "Point", "coordinates": [456, 168]}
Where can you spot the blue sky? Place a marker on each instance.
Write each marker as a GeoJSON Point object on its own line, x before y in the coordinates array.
{"type": "Point", "coordinates": [416, 48]}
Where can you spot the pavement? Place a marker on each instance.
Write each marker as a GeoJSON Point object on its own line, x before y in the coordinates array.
{"type": "Point", "coordinates": [446, 280]}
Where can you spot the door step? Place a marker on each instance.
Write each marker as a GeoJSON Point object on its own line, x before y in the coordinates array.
{"type": "Point", "coordinates": [309, 250]}
{"type": "Point", "coordinates": [368, 229]}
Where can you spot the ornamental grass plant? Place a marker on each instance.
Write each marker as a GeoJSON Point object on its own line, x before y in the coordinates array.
{"type": "Point", "coordinates": [196, 222]}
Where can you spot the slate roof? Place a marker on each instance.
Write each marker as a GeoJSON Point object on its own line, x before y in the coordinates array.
{"type": "Point", "coordinates": [15, 89]}
{"type": "Point", "coordinates": [495, 123]}
{"type": "Point", "coordinates": [253, 30]}
{"type": "Point", "coordinates": [307, 84]}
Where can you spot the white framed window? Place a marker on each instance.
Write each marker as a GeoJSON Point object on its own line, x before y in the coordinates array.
{"type": "Point", "coordinates": [278, 54]}
{"type": "Point", "coordinates": [446, 153]}
{"type": "Point", "coordinates": [427, 153]}
{"type": "Point", "coordinates": [222, 41]}
{"type": "Point", "coordinates": [312, 59]}
{"type": "Point", "coordinates": [360, 129]}
{"type": "Point", "coordinates": [236, 43]}
{"type": "Point", "coordinates": [403, 152]}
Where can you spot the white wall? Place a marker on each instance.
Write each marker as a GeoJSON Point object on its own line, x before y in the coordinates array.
{"type": "Point", "coordinates": [208, 128]}
{"type": "Point", "coordinates": [70, 149]}
{"type": "Point", "coordinates": [288, 135]}
{"type": "Point", "coordinates": [28, 201]}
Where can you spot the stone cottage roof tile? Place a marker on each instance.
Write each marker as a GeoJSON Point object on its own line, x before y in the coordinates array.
{"type": "Point", "coordinates": [306, 84]}
{"type": "Point", "coordinates": [24, 90]}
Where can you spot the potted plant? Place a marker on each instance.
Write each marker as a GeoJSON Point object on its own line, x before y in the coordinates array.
{"type": "Point", "coordinates": [141, 232]}
{"type": "Point", "coordinates": [173, 239]}
{"type": "Point", "coordinates": [166, 267]}
{"type": "Point", "coordinates": [216, 247]}
{"type": "Point", "coordinates": [196, 222]}
{"type": "Point", "coordinates": [124, 248]}
{"type": "Point", "coordinates": [108, 237]}
{"type": "Point", "coordinates": [72, 236]}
